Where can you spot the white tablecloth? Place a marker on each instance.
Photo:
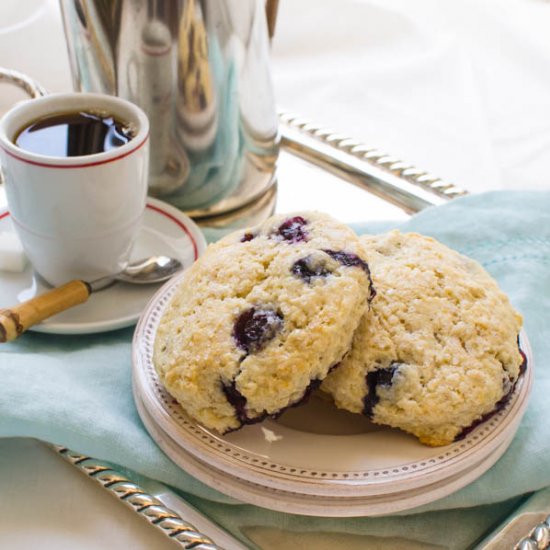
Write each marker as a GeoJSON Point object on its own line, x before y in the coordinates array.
{"type": "Point", "coordinates": [460, 88]}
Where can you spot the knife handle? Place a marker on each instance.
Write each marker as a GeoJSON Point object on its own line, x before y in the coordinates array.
{"type": "Point", "coordinates": [17, 319]}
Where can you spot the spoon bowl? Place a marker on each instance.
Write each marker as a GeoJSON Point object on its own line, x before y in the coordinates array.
{"type": "Point", "coordinates": [147, 271]}
{"type": "Point", "coordinates": [155, 269]}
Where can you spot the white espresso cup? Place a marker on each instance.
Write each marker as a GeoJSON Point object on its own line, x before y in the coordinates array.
{"type": "Point", "coordinates": [77, 216]}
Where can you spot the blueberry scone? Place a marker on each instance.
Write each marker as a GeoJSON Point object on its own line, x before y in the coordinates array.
{"type": "Point", "coordinates": [438, 350]}
{"type": "Point", "coordinates": [261, 317]}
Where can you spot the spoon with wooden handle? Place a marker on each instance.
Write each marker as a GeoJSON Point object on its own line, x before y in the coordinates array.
{"type": "Point", "coordinates": [17, 319]}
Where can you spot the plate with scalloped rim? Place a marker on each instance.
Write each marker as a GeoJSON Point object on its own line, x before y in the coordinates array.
{"type": "Point", "coordinates": [305, 504]}
{"type": "Point", "coordinates": [316, 452]}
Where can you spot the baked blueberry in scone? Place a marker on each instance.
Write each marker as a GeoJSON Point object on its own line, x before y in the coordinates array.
{"type": "Point", "coordinates": [437, 352]}
{"type": "Point", "coordinates": [257, 322]}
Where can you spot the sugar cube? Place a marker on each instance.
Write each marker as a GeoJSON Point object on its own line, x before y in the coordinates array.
{"type": "Point", "coordinates": [12, 255]}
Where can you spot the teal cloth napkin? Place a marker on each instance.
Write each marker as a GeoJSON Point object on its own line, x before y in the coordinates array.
{"type": "Point", "coordinates": [76, 390]}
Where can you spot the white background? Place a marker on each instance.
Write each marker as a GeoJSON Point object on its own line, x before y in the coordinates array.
{"type": "Point", "coordinates": [458, 87]}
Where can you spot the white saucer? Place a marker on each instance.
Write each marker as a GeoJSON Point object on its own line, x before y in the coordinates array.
{"type": "Point", "coordinates": [165, 230]}
{"type": "Point", "coordinates": [316, 459]}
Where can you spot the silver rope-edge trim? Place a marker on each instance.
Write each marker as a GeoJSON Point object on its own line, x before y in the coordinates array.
{"type": "Point", "coordinates": [147, 506]}
{"type": "Point", "coordinates": [386, 176]}
{"type": "Point", "coordinates": [537, 539]}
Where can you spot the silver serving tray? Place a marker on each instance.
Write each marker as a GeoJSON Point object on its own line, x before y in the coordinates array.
{"type": "Point", "coordinates": [384, 175]}
{"type": "Point", "coordinates": [398, 183]}
{"type": "Point", "coordinates": [155, 503]}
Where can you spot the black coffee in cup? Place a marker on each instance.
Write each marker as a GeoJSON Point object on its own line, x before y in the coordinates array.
{"type": "Point", "coordinates": [74, 134]}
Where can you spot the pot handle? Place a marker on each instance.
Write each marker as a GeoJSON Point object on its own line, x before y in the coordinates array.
{"type": "Point", "coordinates": [33, 88]}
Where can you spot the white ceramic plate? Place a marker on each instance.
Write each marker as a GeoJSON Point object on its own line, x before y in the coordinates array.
{"type": "Point", "coordinates": [165, 230]}
{"type": "Point", "coordinates": [315, 451]}
{"type": "Point", "coordinates": [310, 505]}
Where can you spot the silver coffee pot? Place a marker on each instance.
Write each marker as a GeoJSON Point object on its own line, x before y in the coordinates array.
{"type": "Point", "coordinates": [200, 70]}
